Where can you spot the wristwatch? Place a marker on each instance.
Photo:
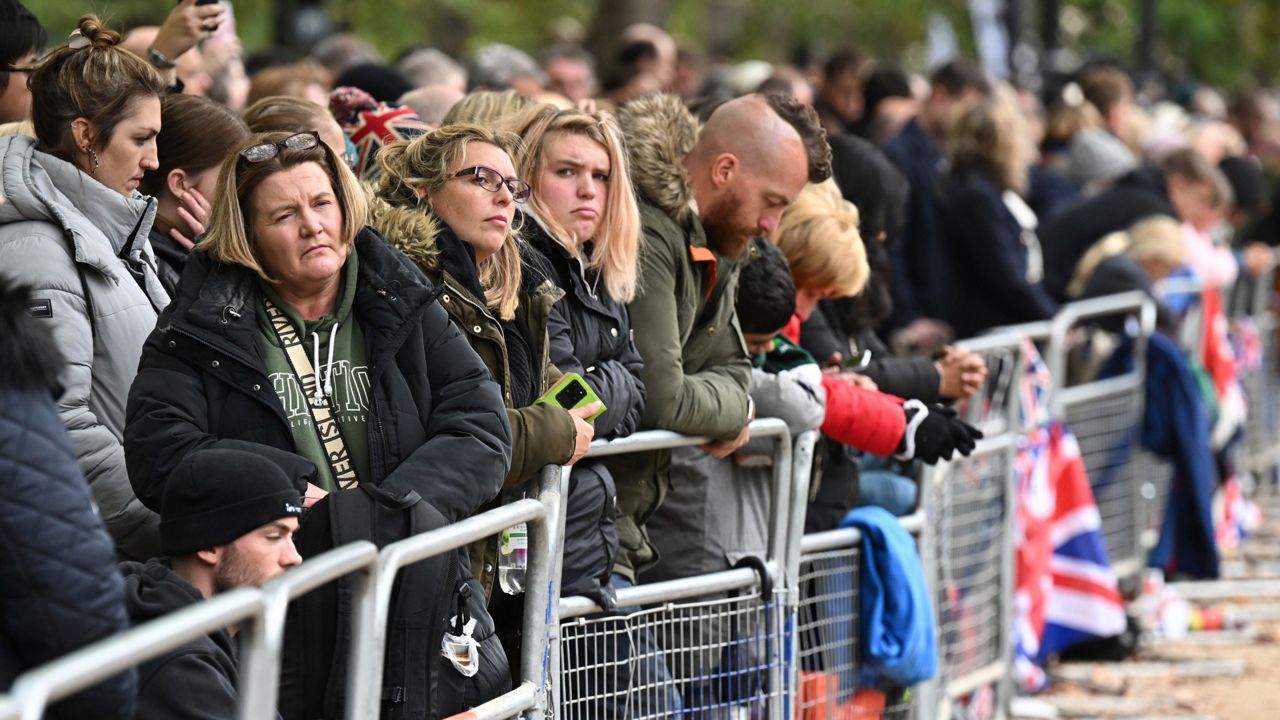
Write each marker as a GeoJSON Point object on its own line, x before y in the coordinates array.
{"type": "Point", "coordinates": [160, 60]}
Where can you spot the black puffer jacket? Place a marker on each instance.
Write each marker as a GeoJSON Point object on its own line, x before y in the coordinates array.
{"type": "Point", "coordinates": [59, 588]}
{"type": "Point", "coordinates": [599, 346]}
{"type": "Point", "coordinates": [436, 421]}
{"type": "Point", "coordinates": [171, 258]}
{"type": "Point", "coordinates": [194, 681]}
{"type": "Point", "coordinates": [603, 349]}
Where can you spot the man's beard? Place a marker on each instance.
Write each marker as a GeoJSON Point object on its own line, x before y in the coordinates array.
{"type": "Point", "coordinates": [234, 572]}
{"type": "Point", "coordinates": [723, 235]}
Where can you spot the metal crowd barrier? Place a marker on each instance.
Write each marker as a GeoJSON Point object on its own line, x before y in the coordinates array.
{"type": "Point", "coordinates": [1250, 303]}
{"type": "Point", "coordinates": [707, 645]}
{"type": "Point", "coordinates": [968, 542]}
{"type": "Point", "coordinates": [260, 614]}
{"type": "Point", "coordinates": [1106, 418]}
{"type": "Point", "coordinates": [743, 641]}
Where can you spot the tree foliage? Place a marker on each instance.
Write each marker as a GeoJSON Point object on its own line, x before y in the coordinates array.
{"type": "Point", "coordinates": [1225, 42]}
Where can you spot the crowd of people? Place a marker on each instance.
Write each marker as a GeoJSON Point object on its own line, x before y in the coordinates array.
{"type": "Point", "coordinates": [234, 288]}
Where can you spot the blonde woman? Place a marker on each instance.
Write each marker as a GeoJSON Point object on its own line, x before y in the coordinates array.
{"type": "Point", "coordinates": [992, 247]}
{"type": "Point", "coordinates": [448, 200]}
{"type": "Point", "coordinates": [287, 261]}
{"type": "Point", "coordinates": [584, 218]}
{"type": "Point", "coordinates": [1135, 259]}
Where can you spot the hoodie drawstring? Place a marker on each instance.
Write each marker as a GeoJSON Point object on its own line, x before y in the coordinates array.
{"type": "Point", "coordinates": [324, 373]}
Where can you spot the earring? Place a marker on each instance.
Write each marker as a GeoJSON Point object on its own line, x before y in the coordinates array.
{"type": "Point", "coordinates": [94, 155]}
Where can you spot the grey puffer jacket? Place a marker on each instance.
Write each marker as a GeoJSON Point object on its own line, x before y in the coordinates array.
{"type": "Point", "coordinates": [84, 251]}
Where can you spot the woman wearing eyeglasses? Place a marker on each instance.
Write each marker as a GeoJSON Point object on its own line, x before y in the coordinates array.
{"type": "Point", "coordinates": [448, 200]}
{"type": "Point", "coordinates": [297, 328]}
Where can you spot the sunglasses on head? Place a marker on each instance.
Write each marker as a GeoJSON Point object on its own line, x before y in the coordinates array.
{"type": "Point", "coordinates": [491, 180]}
{"type": "Point", "coordinates": [263, 152]}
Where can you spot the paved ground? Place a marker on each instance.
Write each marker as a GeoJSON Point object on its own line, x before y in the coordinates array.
{"type": "Point", "coordinates": [1225, 675]}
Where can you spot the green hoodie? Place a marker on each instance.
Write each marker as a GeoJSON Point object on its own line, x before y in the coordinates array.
{"type": "Point", "coordinates": [350, 374]}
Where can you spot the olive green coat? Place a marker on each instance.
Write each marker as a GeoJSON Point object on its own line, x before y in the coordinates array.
{"type": "Point", "coordinates": [696, 369]}
{"type": "Point", "coordinates": [540, 434]}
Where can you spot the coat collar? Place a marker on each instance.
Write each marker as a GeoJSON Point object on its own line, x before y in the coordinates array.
{"type": "Point", "coordinates": [103, 225]}
{"type": "Point", "coordinates": [216, 300]}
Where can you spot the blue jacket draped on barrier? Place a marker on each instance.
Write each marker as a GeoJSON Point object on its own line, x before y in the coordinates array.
{"type": "Point", "coordinates": [1176, 427]}
{"type": "Point", "coordinates": [899, 641]}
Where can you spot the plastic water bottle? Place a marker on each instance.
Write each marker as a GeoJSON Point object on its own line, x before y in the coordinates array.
{"type": "Point", "coordinates": [513, 557]}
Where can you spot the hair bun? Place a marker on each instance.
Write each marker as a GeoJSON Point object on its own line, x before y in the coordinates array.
{"type": "Point", "coordinates": [96, 32]}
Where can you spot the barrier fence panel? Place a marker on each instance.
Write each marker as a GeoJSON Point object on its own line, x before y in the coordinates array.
{"type": "Point", "coordinates": [705, 646]}
{"type": "Point", "coordinates": [259, 613]}
{"type": "Point", "coordinates": [1106, 418]}
{"type": "Point", "coordinates": [968, 542]}
{"type": "Point", "coordinates": [1252, 315]}
{"type": "Point", "coordinates": [542, 595]}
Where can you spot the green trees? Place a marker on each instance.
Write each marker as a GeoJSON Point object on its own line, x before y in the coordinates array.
{"type": "Point", "coordinates": [1226, 42]}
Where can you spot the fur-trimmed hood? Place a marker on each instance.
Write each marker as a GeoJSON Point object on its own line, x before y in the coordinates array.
{"type": "Point", "coordinates": [660, 131]}
{"type": "Point", "coordinates": [409, 230]}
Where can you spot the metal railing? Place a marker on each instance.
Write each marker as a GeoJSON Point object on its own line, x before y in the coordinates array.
{"type": "Point", "coordinates": [739, 640]}
{"type": "Point", "coordinates": [1106, 418]}
{"type": "Point", "coordinates": [968, 541]}
{"type": "Point", "coordinates": [699, 644]}
{"type": "Point", "coordinates": [260, 614]}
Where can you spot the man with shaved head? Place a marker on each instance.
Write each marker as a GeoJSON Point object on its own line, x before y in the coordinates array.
{"type": "Point", "coordinates": [703, 196]}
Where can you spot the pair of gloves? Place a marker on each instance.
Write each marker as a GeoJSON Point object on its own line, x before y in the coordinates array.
{"type": "Point", "coordinates": [935, 432]}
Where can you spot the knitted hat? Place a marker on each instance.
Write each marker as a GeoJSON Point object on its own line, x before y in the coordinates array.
{"type": "Point", "coordinates": [215, 496]}
{"type": "Point", "coordinates": [1097, 155]}
{"type": "Point", "coordinates": [370, 124]}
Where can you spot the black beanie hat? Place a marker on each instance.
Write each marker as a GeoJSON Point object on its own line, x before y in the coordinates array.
{"type": "Point", "coordinates": [215, 496]}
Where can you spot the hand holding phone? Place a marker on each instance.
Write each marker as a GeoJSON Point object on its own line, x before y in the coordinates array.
{"type": "Point", "coordinates": [570, 393]}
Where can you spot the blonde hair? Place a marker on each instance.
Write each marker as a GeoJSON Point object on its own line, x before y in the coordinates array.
{"type": "Point", "coordinates": [1156, 238]}
{"type": "Point", "coordinates": [617, 240]}
{"type": "Point", "coordinates": [230, 239]}
{"type": "Point", "coordinates": [18, 127]}
{"type": "Point", "coordinates": [819, 235]}
{"type": "Point", "coordinates": [424, 162]}
{"type": "Point", "coordinates": [487, 107]}
{"type": "Point", "coordinates": [991, 138]}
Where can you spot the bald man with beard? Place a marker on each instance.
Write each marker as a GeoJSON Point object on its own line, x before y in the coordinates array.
{"type": "Point", "coordinates": [703, 195]}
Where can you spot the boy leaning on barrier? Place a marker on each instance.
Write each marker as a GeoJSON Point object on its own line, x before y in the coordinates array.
{"type": "Point", "coordinates": [227, 520]}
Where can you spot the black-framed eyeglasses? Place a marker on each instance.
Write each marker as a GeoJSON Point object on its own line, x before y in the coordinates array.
{"type": "Point", "coordinates": [263, 152]}
{"type": "Point", "coordinates": [491, 180]}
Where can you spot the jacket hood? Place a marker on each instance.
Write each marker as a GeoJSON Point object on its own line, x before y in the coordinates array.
{"type": "Point", "coordinates": [102, 224]}
{"type": "Point", "coordinates": [153, 589]}
{"type": "Point", "coordinates": [409, 230]}
{"type": "Point", "coordinates": [660, 131]}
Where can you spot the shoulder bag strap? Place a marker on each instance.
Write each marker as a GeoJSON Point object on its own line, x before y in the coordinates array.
{"type": "Point", "coordinates": [326, 423]}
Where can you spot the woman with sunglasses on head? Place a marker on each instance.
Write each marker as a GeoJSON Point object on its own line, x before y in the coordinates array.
{"type": "Point", "coordinates": [74, 227]}
{"type": "Point", "coordinates": [297, 328]}
{"type": "Point", "coordinates": [448, 200]}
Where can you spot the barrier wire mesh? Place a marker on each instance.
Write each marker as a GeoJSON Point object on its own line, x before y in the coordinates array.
{"type": "Point", "coordinates": [699, 659]}
{"type": "Point", "coordinates": [970, 522]}
{"type": "Point", "coordinates": [1107, 428]}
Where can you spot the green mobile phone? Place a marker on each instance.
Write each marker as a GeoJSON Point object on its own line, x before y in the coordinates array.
{"type": "Point", "coordinates": [572, 392]}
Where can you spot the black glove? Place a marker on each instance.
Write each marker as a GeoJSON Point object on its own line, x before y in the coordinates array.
{"type": "Point", "coordinates": [934, 432]}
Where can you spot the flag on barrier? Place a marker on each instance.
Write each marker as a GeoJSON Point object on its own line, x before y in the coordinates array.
{"type": "Point", "coordinates": [1065, 590]}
